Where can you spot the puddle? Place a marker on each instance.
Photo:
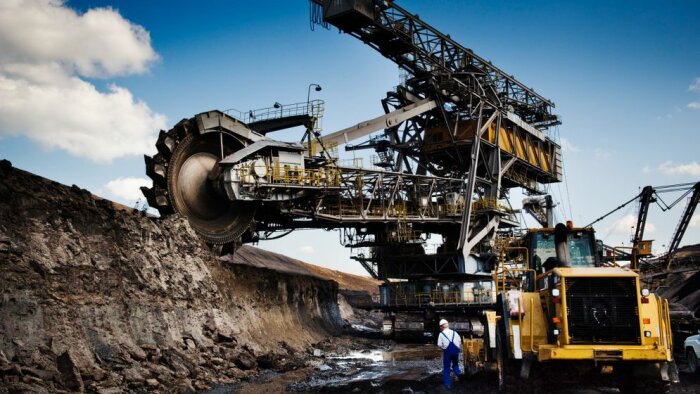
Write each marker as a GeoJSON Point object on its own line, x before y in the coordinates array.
{"type": "Point", "coordinates": [399, 353]}
{"type": "Point", "coordinates": [416, 366]}
{"type": "Point", "coordinates": [372, 355]}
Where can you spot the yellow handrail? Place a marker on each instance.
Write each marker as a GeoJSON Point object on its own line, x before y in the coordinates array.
{"type": "Point", "coordinates": [669, 334]}
{"type": "Point", "coordinates": [662, 320]}
{"type": "Point", "coordinates": [532, 335]}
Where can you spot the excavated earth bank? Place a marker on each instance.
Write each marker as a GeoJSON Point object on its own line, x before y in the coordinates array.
{"type": "Point", "coordinates": [97, 297]}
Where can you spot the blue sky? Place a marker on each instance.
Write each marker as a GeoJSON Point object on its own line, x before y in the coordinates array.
{"type": "Point", "coordinates": [621, 75]}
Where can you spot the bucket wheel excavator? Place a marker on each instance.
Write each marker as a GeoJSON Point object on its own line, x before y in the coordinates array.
{"type": "Point", "coordinates": [455, 137]}
{"type": "Point", "coordinates": [184, 173]}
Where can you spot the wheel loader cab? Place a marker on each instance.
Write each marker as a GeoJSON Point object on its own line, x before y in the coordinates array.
{"type": "Point", "coordinates": [579, 252]}
{"type": "Point", "coordinates": [543, 253]}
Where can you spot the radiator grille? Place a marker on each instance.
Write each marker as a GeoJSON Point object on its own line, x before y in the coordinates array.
{"type": "Point", "coordinates": [602, 310]}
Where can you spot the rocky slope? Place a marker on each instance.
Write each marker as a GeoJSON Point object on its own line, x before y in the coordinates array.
{"type": "Point", "coordinates": [263, 259]}
{"type": "Point", "coordinates": [97, 297]}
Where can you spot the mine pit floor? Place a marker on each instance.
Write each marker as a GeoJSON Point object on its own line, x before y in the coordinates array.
{"type": "Point", "coordinates": [365, 366]}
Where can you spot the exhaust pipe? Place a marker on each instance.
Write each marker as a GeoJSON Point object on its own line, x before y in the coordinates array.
{"type": "Point", "coordinates": [561, 243]}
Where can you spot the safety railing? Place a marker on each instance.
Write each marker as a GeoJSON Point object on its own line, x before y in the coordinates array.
{"type": "Point", "coordinates": [313, 108]}
{"type": "Point", "coordinates": [440, 297]}
{"type": "Point", "coordinates": [503, 274]}
{"type": "Point", "coordinates": [451, 209]}
{"type": "Point", "coordinates": [357, 162]}
{"type": "Point", "coordinates": [291, 175]}
{"type": "Point", "coordinates": [634, 251]}
{"type": "Point", "coordinates": [404, 234]}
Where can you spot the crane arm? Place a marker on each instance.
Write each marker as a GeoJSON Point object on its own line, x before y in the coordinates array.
{"type": "Point", "coordinates": [683, 224]}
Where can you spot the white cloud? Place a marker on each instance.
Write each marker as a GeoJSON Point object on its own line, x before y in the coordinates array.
{"type": "Point", "coordinates": [98, 43]}
{"type": "Point", "coordinates": [668, 168]}
{"type": "Point", "coordinates": [695, 85]}
{"type": "Point", "coordinates": [601, 154]}
{"type": "Point", "coordinates": [695, 221]}
{"type": "Point", "coordinates": [308, 249]}
{"type": "Point", "coordinates": [567, 146]}
{"type": "Point", "coordinates": [126, 188]}
{"type": "Point", "coordinates": [45, 49]}
{"type": "Point", "coordinates": [694, 105]}
{"type": "Point", "coordinates": [624, 226]}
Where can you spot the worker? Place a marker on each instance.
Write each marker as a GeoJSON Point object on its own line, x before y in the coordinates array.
{"type": "Point", "coordinates": [450, 343]}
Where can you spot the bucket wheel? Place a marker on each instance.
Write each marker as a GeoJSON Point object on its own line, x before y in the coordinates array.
{"type": "Point", "coordinates": [185, 182]}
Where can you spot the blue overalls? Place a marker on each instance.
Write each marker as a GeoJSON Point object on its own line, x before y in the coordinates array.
{"type": "Point", "coordinates": [450, 356]}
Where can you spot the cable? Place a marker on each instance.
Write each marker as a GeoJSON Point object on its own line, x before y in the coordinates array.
{"type": "Point", "coordinates": [657, 190]}
{"type": "Point", "coordinates": [612, 228]}
{"type": "Point", "coordinates": [566, 179]}
{"type": "Point", "coordinates": [613, 211]}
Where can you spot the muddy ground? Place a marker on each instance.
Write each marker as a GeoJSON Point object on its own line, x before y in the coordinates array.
{"type": "Point", "coordinates": [361, 365]}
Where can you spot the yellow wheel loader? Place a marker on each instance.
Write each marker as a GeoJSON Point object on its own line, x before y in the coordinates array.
{"type": "Point", "coordinates": [566, 318]}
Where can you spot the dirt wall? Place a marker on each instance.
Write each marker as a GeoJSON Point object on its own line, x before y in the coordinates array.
{"type": "Point", "coordinates": [97, 297]}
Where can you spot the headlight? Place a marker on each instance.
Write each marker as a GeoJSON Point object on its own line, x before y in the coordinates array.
{"type": "Point", "coordinates": [555, 292]}
{"type": "Point", "coordinates": [645, 293]}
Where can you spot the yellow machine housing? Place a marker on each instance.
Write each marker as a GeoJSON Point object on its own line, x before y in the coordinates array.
{"type": "Point", "coordinates": [579, 310]}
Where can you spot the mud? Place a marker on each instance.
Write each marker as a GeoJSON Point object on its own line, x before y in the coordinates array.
{"type": "Point", "coordinates": [388, 367]}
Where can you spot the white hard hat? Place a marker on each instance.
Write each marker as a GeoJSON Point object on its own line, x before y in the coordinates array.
{"type": "Point", "coordinates": [443, 322]}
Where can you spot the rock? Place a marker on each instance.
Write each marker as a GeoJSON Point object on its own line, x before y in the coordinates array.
{"type": "Point", "coordinates": [152, 351]}
{"type": "Point", "coordinates": [109, 390]}
{"type": "Point", "coordinates": [209, 326]}
{"type": "Point", "coordinates": [24, 388]}
{"type": "Point", "coordinates": [98, 374]}
{"type": "Point", "coordinates": [32, 380]}
{"type": "Point", "coordinates": [134, 375]}
{"type": "Point", "coordinates": [69, 372]}
{"type": "Point", "coordinates": [152, 383]}
{"type": "Point", "coordinates": [324, 367]}
{"type": "Point", "coordinates": [38, 373]}
{"type": "Point", "coordinates": [201, 386]}
{"type": "Point", "coordinates": [161, 371]}
{"type": "Point", "coordinates": [266, 361]}
{"type": "Point", "coordinates": [11, 369]}
{"type": "Point", "coordinates": [3, 358]}
{"type": "Point", "coordinates": [190, 344]}
{"type": "Point", "coordinates": [181, 364]}
{"type": "Point", "coordinates": [137, 353]}
{"type": "Point", "coordinates": [245, 361]}
{"type": "Point", "coordinates": [224, 337]}
{"type": "Point", "coordinates": [184, 387]}
{"type": "Point", "coordinates": [317, 352]}
{"type": "Point", "coordinates": [229, 354]}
